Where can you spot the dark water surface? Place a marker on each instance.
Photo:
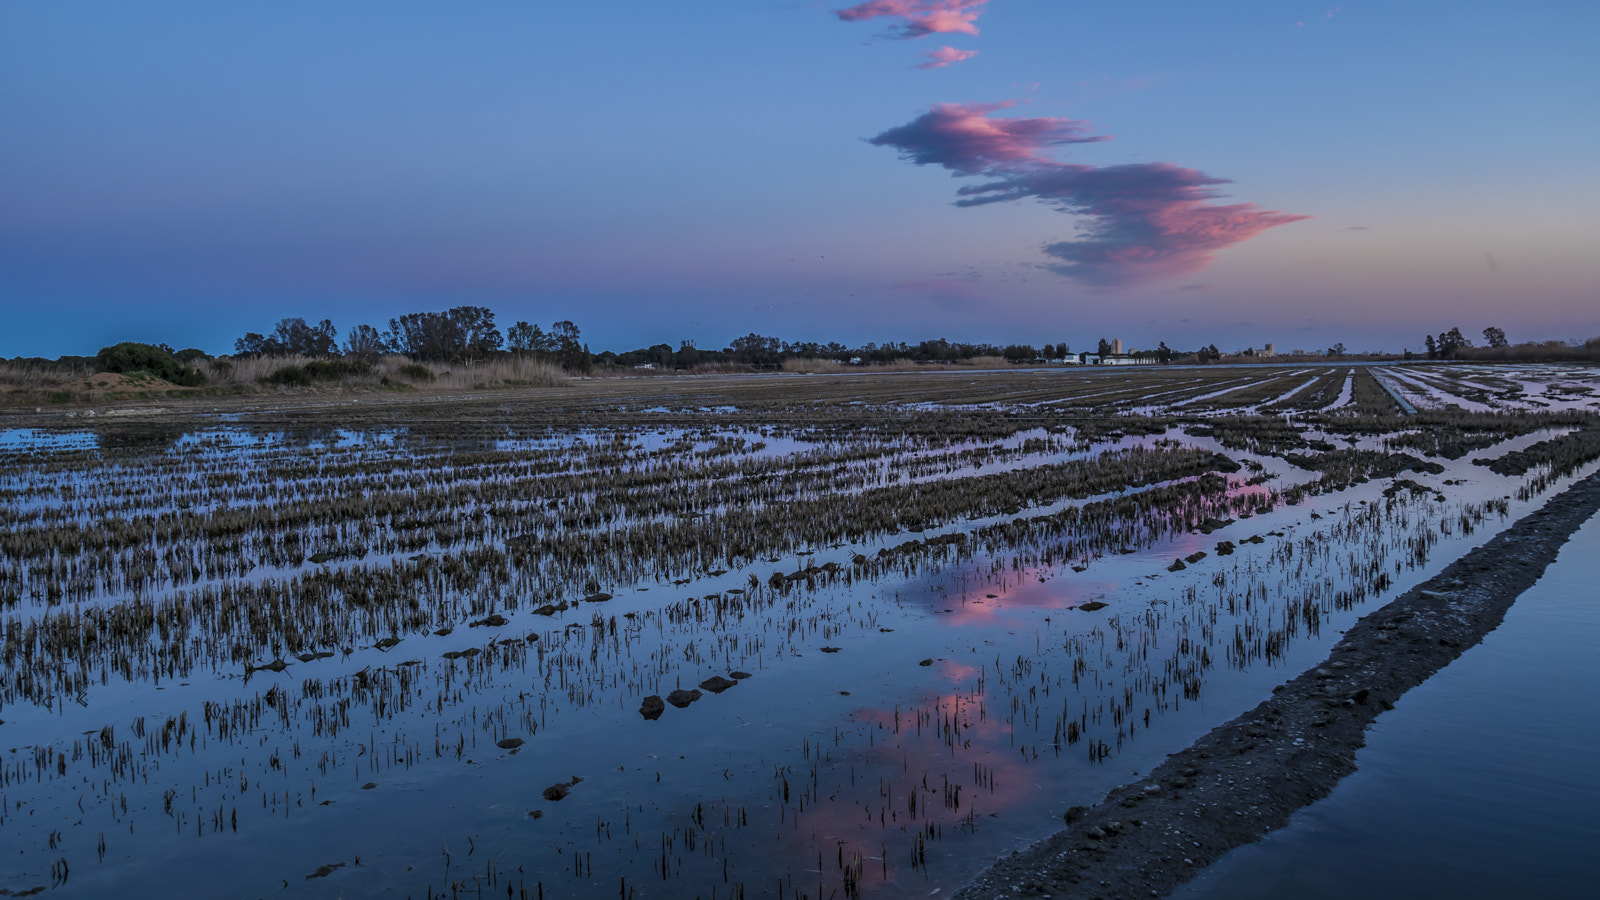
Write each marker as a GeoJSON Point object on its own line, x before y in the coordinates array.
{"type": "Point", "coordinates": [1483, 782]}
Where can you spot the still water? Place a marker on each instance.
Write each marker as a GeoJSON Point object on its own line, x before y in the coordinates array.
{"type": "Point", "coordinates": [1481, 783]}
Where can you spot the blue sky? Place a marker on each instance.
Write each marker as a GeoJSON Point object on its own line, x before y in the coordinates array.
{"type": "Point", "coordinates": [188, 171]}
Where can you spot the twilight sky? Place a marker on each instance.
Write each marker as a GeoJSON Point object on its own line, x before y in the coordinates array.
{"type": "Point", "coordinates": [1004, 170]}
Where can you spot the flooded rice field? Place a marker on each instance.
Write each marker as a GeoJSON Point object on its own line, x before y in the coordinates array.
{"type": "Point", "coordinates": [1466, 790]}
{"type": "Point", "coordinates": [801, 637]}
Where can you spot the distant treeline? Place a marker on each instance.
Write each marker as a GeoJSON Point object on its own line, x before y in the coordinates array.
{"type": "Point", "coordinates": [1453, 344]}
{"type": "Point", "coordinates": [467, 334]}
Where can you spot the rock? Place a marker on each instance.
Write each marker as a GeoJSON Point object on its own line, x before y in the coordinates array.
{"type": "Point", "coordinates": [386, 643]}
{"type": "Point", "coordinates": [324, 870]}
{"type": "Point", "coordinates": [1177, 566]}
{"type": "Point", "coordinates": [597, 597]}
{"type": "Point", "coordinates": [652, 707]}
{"type": "Point", "coordinates": [1092, 605]}
{"type": "Point", "coordinates": [716, 684]}
{"type": "Point", "coordinates": [1075, 813]}
{"type": "Point", "coordinates": [926, 662]}
{"type": "Point", "coordinates": [535, 813]}
{"type": "Point", "coordinates": [830, 649]}
{"type": "Point", "coordinates": [682, 698]}
{"type": "Point", "coordinates": [277, 665]}
{"type": "Point", "coordinates": [1213, 524]}
{"type": "Point", "coordinates": [740, 675]}
{"type": "Point", "coordinates": [510, 743]}
{"type": "Point", "coordinates": [444, 631]}
{"type": "Point", "coordinates": [1095, 833]}
{"type": "Point", "coordinates": [1225, 548]}
{"type": "Point", "coordinates": [1195, 556]}
{"type": "Point", "coordinates": [556, 792]}
{"type": "Point", "coordinates": [495, 621]}
{"type": "Point", "coordinates": [369, 785]}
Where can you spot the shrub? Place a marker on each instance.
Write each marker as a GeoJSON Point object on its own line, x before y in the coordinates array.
{"type": "Point", "coordinates": [317, 370]}
{"type": "Point", "coordinates": [416, 372]}
{"type": "Point", "coordinates": [129, 357]}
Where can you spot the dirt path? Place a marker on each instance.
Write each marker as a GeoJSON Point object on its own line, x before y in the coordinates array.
{"type": "Point", "coordinates": [1246, 777]}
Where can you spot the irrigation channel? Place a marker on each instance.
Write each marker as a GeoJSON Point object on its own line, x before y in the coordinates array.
{"type": "Point", "coordinates": [802, 637]}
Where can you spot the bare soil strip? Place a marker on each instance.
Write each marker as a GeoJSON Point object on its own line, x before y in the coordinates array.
{"type": "Point", "coordinates": [1246, 777]}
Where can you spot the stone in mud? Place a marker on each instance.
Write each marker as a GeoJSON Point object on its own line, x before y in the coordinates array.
{"type": "Point", "coordinates": [682, 698]}
{"type": "Point", "coordinates": [740, 675]}
{"type": "Point", "coordinates": [1092, 605]}
{"type": "Point", "coordinates": [510, 743]}
{"type": "Point", "coordinates": [557, 792]}
{"type": "Point", "coordinates": [716, 684]}
{"type": "Point", "coordinates": [324, 870]}
{"type": "Point", "coordinates": [1195, 556]}
{"type": "Point", "coordinates": [494, 621]}
{"type": "Point", "coordinates": [597, 597]}
{"type": "Point", "coordinates": [386, 643]}
{"type": "Point", "coordinates": [1213, 524]}
{"type": "Point", "coordinates": [652, 707]}
{"type": "Point", "coordinates": [1225, 548]}
{"type": "Point", "coordinates": [1074, 813]}
{"type": "Point", "coordinates": [444, 631]}
{"type": "Point", "coordinates": [1177, 566]}
{"type": "Point", "coordinates": [277, 665]}
{"type": "Point", "coordinates": [926, 662]}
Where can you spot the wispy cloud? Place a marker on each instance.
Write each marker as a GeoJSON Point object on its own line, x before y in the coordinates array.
{"type": "Point", "coordinates": [944, 56]}
{"type": "Point", "coordinates": [919, 17]}
{"type": "Point", "coordinates": [1140, 221]}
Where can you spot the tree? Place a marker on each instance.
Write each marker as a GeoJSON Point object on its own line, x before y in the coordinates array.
{"type": "Point", "coordinates": [479, 336]}
{"type": "Point", "coordinates": [155, 359]}
{"type": "Point", "coordinates": [366, 342]}
{"type": "Point", "coordinates": [1019, 353]}
{"type": "Point", "coordinates": [1164, 353]}
{"type": "Point", "coordinates": [1450, 342]}
{"type": "Point", "coordinates": [1433, 348]}
{"type": "Point", "coordinates": [1495, 337]}
{"type": "Point", "coordinates": [755, 350]}
{"type": "Point", "coordinates": [1336, 349]}
{"type": "Point", "coordinates": [525, 338]}
{"type": "Point", "coordinates": [291, 337]}
{"type": "Point", "coordinates": [1104, 348]}
{"type": "Point", "coordinates": [460, 334]}
{"type": "Point", "coordinates": [570, 351]}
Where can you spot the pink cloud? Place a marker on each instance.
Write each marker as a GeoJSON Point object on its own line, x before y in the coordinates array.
{"type": "Point", "coordinates": [944, 56]}
{"type": "Point", "coordinates": [920, 17]}
{"type": "Point", "coordinates": [965, 139]}
{"type": "Point", "coordinates": [1141, 220]}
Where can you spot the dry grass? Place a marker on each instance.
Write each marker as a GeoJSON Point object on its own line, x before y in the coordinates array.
{"type": "Point", "coordinates": [29, 376]}
{"type": "Point", "coordinates": [812, 366]}
{"type": "Point", "coordinates": [987, 362]}
{"type": "Point", "coordinates": [393, 372]}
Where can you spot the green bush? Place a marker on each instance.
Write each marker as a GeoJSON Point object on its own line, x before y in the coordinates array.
{"type": "Point", "coordinates": [129, 357]}
{"type": "Point", "coordinates": [289, 376]}
{"type": "Point", "coordinates": [416, 372]}
{"type": "Point", "coordinates": [317, 370]}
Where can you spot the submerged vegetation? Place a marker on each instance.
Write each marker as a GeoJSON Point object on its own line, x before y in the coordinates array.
{"type": "Point", "coordinates": [805, 635]}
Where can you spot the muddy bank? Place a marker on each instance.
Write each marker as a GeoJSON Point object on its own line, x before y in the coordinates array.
{"type": "Point", "coordinates": [1246, 777]}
